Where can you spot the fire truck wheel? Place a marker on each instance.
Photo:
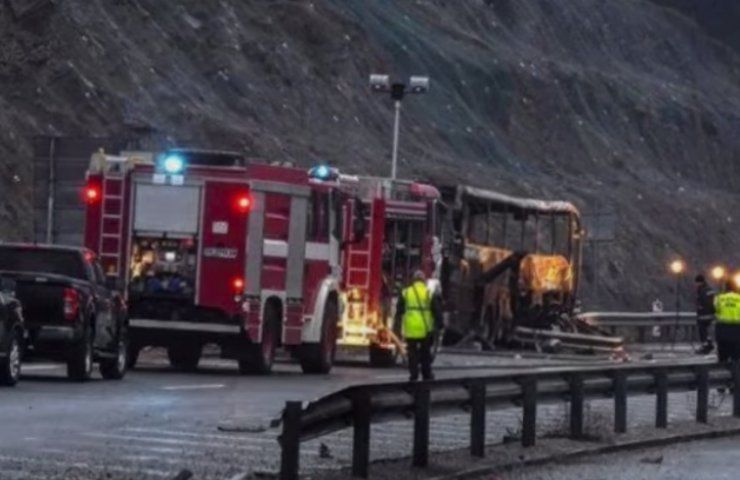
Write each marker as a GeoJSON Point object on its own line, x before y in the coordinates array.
{"type": "Point", "coordinates": [80, 361]}
{"type": "Point", "coordinates": [184, 356]}
{"type": "Point", "coordinates": [258, 358]}
{"type": "Point", "coordinates": [319, 357]}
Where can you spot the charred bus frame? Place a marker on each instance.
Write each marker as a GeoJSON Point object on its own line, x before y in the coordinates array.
{"type": "Point", "coordinates": [509, 261]}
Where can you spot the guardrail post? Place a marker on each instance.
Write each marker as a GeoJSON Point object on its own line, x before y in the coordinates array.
{"type": "Point", "coordinates": [478, 420]}
{"type": "Point", "coordinates": [735, 366]}
{"type": "Point", "coordinates": [361, 413]}
{"type": "Point", "coordinates": [661, 399]}
{"type": "Point", "coordinates": [529, 411]}
{"type": "Point", "coordinates": [576, 406]}
{"type": "Point", "coordinates": [702, 394]}
{"type": "Point", "coordinates": [422, 402]}
{"type": "Point", "coordinates": [290, 441]}
{"type": "Point", "coordinates": [620, 402]}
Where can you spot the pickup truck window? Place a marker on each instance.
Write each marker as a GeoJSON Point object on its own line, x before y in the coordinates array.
{"type": "Point", "coordinates": [37, 260]}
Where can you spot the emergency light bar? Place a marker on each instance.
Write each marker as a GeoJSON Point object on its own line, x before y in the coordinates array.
{"type": "Point", "coordinates": [324, 172]}
{"type": "Point", "coordinates": [173, 164]}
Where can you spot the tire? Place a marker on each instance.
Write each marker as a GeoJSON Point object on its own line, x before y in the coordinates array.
{"type": "Point", "coordinates": [382, 357]}
{"type": "Point", "coordinates": [259, 358]}
{"type": "Point", "coordinates": [80, 361]}
{"type": "Point", "coordinates": [132, 356]}
{"type": "Point", "coordinates": [10, 366]}
{"type": "Point", "coordinates": [184, 356]}
{"type": "Point", "coordinates": [115, 368]}
{"type": "Point", "coordinates": [318, 358]}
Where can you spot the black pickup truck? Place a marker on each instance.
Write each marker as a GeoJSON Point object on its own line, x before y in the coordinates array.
{"type": "Point", "coordinates": [71, 312]}
{"type": "Point", "coordinates": [11, 333]}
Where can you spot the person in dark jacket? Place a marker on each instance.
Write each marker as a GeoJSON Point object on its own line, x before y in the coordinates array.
{"type": "Point", "coordinates": [704, 313]}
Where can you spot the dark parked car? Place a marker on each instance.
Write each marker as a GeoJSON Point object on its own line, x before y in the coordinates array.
{"type": "Point", "coordinates": [11, 333]}
{"type": "Point", "coordinates": [71, 312]}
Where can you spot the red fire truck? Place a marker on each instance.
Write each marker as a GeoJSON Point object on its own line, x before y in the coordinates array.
{"type": "Point", "coordinates": [401, 226]}
{"type": "Point", "coordinates": [250, 257]}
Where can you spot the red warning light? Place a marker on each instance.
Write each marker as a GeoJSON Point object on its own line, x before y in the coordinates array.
{"type": "Point", "coordinates": [243, 203]}
{"type": "Point", "coordinates": [92, 194]}
{"type": "Point", "coordinates": [238, 284]}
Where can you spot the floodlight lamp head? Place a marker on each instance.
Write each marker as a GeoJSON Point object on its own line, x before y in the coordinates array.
{"type": "Point", "coordinates": [418, 84]}
{"type": "Point", "coordinates": [380, 83]}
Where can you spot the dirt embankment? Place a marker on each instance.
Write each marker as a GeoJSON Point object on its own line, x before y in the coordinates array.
{"type": "Point", "coordinates": [627, 106]}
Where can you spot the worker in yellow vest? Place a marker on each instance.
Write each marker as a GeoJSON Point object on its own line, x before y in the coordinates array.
{"type": "Point", "coordinates": [727, 330]}
{"type": "Point", "coordinates": [415, 309]}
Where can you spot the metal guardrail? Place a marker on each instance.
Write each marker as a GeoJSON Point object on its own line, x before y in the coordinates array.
{"type": "Point", "coordinates": [359, 406]}
{"type": "Point", "coordinates": [634, 326]}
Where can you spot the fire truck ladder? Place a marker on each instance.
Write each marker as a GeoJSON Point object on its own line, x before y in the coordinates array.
{"type": "Point", "coordinates": [357, 324]}
{"type": "Point", "coordinates": [112, 222]}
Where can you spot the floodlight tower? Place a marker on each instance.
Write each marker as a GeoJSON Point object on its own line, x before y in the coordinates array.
{"type": "Point", "coordinates": [381, 83]}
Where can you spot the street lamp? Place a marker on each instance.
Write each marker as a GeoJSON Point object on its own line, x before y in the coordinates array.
{"type": "Point", "coordinates": [380, 83]}
{"type": "Point", "coordinates": [718, 273]}
{"type": "Point", "coordinates": [677, 267]}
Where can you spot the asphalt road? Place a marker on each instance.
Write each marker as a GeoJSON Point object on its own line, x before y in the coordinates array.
{"type": "Point", "coordinates": [706, 460]}
{"type": "Point", "coordinates": [157, 421]}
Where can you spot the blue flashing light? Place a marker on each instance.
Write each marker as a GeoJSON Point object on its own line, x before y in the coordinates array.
{"type": "Point", "coordinates": [173, 164]}
{"type": "Point", "coordinates": [322, 171]}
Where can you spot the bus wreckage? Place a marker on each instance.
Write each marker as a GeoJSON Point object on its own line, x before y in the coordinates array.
{"type": "Point", "coordinates": [511, 272]}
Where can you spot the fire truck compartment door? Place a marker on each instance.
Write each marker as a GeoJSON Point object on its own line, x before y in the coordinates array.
{"type": "Point", "coordinates": [167, 208]}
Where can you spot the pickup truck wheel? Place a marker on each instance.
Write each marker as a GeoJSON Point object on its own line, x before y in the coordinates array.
{"type": "Point", "coordinates": [10, 366]}
{"type": "Point", "coordinates": [184, 357]}
{"type": "Point", "coordinates": [319, 358]}
{"type": "Point", "coordinates": [115, 368]}
{"type": "Point", "coordinates": [80, 362]}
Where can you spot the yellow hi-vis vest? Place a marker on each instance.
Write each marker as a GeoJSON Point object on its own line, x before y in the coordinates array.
{"type": "Point", "coordinates": [417, 316]}
{"type": "Point", "coordinates": [727, 307]}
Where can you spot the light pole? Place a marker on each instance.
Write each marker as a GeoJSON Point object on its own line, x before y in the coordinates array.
{"type": "Point", "coordinates": [380, 83]}
{"type": "Point", "coordinates": [677, 267]}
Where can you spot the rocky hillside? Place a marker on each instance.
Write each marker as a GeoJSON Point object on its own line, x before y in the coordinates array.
{"type": "Point", "coordinates": [630, 106]}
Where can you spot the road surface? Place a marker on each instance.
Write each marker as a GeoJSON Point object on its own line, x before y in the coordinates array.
{"type": "Point", "coordinates": [705, 460]}
{"type": "Point", "coordinates": [213, 422]}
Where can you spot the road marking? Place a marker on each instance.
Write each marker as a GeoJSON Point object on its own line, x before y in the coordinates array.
{"type": "Point", "coordinates": [171, 441]}
{"type": "Point", "coordinates": [210, 386]}
{"type": "Point", "coordinates": [237, 437]}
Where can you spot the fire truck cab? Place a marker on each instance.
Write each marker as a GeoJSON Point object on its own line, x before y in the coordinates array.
{"type": "Point", "coordinates": [215, 250]}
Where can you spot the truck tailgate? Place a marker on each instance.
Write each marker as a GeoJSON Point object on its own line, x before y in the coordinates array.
{"type": "Point", "coordinates": [42, 301]}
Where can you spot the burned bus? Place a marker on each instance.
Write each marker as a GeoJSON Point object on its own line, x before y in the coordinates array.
{"type": "Point", "coordinates": [509, 262]}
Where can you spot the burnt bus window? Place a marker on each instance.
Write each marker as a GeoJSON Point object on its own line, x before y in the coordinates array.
{"type": "Point", "coordinates": [496, 228]}
{"type": "Point", "coordinates": [545, 234]}
{"type": "Point", "coordinates": [478, 224]}
{"type": "Point", "coordinates": [514, 231]}
{"type": "Point", "coordinates": [561, 235]}
{"type": "Point", "coordinates": [530, 239]}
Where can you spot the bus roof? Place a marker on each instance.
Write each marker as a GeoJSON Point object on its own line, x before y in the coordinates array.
{"type": "Point", "coordinates": [528, 204]}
